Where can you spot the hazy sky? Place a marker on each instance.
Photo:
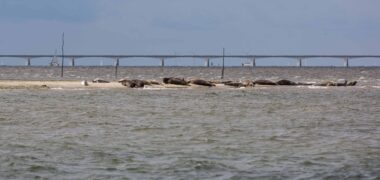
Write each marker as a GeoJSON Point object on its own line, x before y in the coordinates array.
{"type": "Point", "coordinates": [191, 26]}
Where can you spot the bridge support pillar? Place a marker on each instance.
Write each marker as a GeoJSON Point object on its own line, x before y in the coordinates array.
{"type": "Point", "coordinates": [254, 62]}
{"type": "Point", "coordinates": [346, 62]}
{"type": "Point", "coordinates": [116, 63]}
{"type": "Point", "coordinates": [28, 63]}
{"type": "Point", "coordinates": [73, 62]}
{"type": "Point", "coordinates": [207, 62]}
{"type": "Point", "coordinates": [162, 62]}
{"type": "Point", "coordinates": [299, 62]}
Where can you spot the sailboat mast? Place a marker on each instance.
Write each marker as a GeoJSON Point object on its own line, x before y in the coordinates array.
{"type": "Point", "coordinates": [63, 53]}
{"type": "Point", "coordinates": [223, 66]}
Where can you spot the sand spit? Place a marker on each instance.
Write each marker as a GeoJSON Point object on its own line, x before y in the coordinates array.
{"type": "Point", "coordinates": [36, 84]}
{"type": "Point", "coordinates": [168, 83]}
{"type": "Point", "coordinates": [22, 84]}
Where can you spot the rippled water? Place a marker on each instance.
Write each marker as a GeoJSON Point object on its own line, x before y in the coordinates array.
{"type": "Point", "coordinates": [263, 133]}
{"type": "Point", "coordinates": [365, 75]}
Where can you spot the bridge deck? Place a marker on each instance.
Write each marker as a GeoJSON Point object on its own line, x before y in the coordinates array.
{"type": "Point", "coordinates": [31, 56]}
{"type": "Point", "coordinates": [162, 58]}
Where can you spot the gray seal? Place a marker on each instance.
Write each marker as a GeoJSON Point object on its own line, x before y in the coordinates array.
{"type": "Point", "coordinates": [265, 82]}
{"type": "Point", "coordinates": [285, 82]}
{"type": "Point", "coordinates": [176, 81]}
{"type": "Point", "coordinates": [98, 80]}
{"type": "Point", "coordinates": [202, 82]}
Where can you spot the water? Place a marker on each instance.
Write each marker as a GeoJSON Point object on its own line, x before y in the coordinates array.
{"type": "Point", "coordinates": [365, 75]}
{"type": "Point", "coordinates": [262, 133]}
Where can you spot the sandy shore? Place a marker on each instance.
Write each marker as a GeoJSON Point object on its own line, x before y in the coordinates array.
{"type": "Point", "coordinates": [76, 84]}
{"type": "Point", "coordinates": [58, 84]}
{"type": "Point", "coordinates": [21, 84]}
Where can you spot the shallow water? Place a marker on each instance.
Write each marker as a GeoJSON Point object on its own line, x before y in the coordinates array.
{"type": "Point", "coordinates": [263, 133]}
{"type": "Point", "coordinates": [365, 75]}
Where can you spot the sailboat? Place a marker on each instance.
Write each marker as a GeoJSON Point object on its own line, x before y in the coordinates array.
{"type": "Point", "coordinates": [54, 60]}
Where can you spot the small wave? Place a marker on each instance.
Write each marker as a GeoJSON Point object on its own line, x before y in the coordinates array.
{"type": "Point", "coordinates": [69, 89]}
{"type": "Point", "coordinates": [158, 88]}
{"type": "Point", "coordinates": [317, 87]}
{"type": "Point", "coordinates": [56, 88]}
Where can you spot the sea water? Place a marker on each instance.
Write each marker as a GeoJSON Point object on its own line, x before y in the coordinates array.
{"type": "Point", "coordinates": [204, 133]}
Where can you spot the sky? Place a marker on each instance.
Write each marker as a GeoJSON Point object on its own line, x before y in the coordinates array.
{"type": "Point", "coordinates": [190, 27]}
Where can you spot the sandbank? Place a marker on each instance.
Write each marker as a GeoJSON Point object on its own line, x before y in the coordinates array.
{"type": "Point", "coordinates": [64, 84]}
{"type": "Point", "coordinates": [77, 84]}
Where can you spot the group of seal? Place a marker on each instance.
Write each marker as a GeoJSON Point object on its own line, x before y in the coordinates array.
{"type": "Point", "coordinates": [135, 83]}
{"type": "Point", "coordinates": [341, 82]}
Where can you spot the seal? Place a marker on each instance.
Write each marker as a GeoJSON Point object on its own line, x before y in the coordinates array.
{"type": "Point", "coordinates": [134, 83]}
{"type": "Point", "coordinates": [44, 86]}
{"type": "Point", "coordinates": [285, 82]}
{"type": "Point", "coordinates": [201, 82]}
{"type": "Point", "coordinates": [176, 81]}
{"type": "Point", "coordinates": [265, 82]}
{"type": "Point", "coordinates": [352, 83]}
{"type": "Point", "coordinates": [341, 82]}
{"type": "Point", "coordinates": [248, 83]}
{"type": "Point", "coordinates": [234, 84]}
{"type": "Point", "coordinates": [304, 84]}
{"type": "Point", "coordinates": [98, 80]}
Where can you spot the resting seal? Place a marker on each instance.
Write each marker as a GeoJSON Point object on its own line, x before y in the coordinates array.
{"type": "Point", "coordinates": [135, 83]}
{"type": "Point", "coordinates": [285, 82]}
{"type": "Point", "coordinates": [234, 84]}
{"type": "Point", "coordinates": [304, 84]}
{"type": "Point", "coordinates": [265, 82]}
{"type": "Point", "coordinates": [341, 82]}
{"type": "Point", "coordinates": [202, 82]}
{"type": "Point", "coordinates": [352, 83]}
{"type": "Point", "coordinates": [248, 83]}
{"type": "Point", "coordinates": [98, 80]}
{"type": "Point", "coordinates": [176, 81]}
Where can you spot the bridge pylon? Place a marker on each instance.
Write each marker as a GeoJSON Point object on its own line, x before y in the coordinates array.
{"type": "Point", "coordinates": [162, 62]}
{"type": "Point", "coordinates": [207, 62]}
{"type": "Point", "coordinates": [28, 62]}
{"type": "Point", "coordinates": [346, 62]}
{"type": "Point", "coordinates": [116, 63]}
{"type": "Point", "coordinates": [72, 63]}
{"type": "Point", "coordinates": [299, 62]}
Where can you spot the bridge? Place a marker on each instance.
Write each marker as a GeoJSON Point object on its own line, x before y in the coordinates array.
{"type": "Point", "coordinates": [299, 58]}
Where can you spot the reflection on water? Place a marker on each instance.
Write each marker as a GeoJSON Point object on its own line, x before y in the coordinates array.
{"type": "Point", "coordinates": [263, 133]}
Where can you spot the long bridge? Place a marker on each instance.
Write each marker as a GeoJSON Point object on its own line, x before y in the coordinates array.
{"type": "Point", "coordinates": [299, 58]}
